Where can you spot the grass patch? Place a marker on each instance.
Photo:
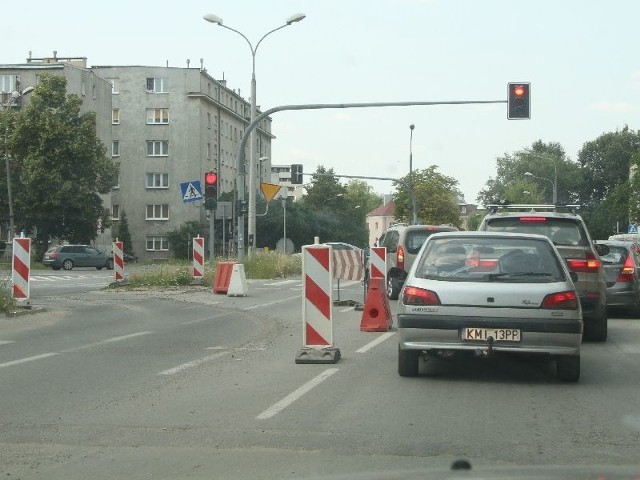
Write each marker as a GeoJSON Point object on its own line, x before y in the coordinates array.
{"type": "Point", "coordinates": [263, 265]}
{"type": "Point", "coordinates": [7, 302]}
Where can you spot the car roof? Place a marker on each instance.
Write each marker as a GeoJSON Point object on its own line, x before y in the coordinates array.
{"type": "Point", "coordinates": [619, 243]}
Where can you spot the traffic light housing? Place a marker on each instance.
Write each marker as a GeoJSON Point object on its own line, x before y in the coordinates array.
{"type": "Point", "coordinates": [296, 174]}
{"type": "Point", "coordinates": [519, 101]}
{"type": "Point", "coordinates": [210, 190]}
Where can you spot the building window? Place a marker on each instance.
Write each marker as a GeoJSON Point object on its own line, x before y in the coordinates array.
{"type": "Point", "coordinates": [157, 115]}
{"type": "Point", "coordinates": [157, 244]}
{"type": "Point", "coordinates": [115, 85]}
{"type": "Point", "coordinates": [157, 148]}
{"type": "Point", "coordinates": [115, 212]}
{"type": "Point", "coordinates": [208, 151]}
{"type": "Point", "coordinates": [115, 116]}
{"type": "Point", "coordinates": [157, 85]}
{"type": "Point", "coordinates": [117, 185]}
{"type": "Point", "coordinates": [115, 148]}
{"type": "Point", "coordinates": [157, 212]}
{"type": "Point", "coordinates": [157, 180]}
{"type": "Point", "coordinates": [8, 83]}
{"type": "Point", "coordinates": [209, 120]}
{"type": "Point", "coordinates": [83, 88]}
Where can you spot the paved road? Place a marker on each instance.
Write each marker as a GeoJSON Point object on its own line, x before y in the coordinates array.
{"type": "Point", "coordinates": [188, 384]}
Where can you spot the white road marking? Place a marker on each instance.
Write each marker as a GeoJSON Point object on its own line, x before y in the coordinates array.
{"type": "Point", "coordinates": [4, 342]}
{"type": "Point", "coordinates": [104, 342]}
{"type": "Point", "coordinates": [283, 282]}
{"type": "Point", "coordinates": [71, 350]}
{"type": "Point", "coordinates": [375, 342]}
{"type": "Point", "coordinates": [257, 348]}
{"type": "Point", "coordinates": [28, 359]}
{"type": "Point", "coordinates": [193, 363]}
{"type": "Point", "coordinates": [271, 303]}
{"type": "Point", "coordinates": [208, 317]}
{"type": "Point", "coordinates": [296, 394]}
{"type": "Point", "coordinates": [347, 309]}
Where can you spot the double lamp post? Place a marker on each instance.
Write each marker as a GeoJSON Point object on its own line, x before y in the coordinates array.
{"type": "Point", "coordinates": [211, 18]}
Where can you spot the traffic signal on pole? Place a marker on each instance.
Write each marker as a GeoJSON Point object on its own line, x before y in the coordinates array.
{"type": "Point", "coordinates": [210, 190]}
{"type": "Point", "coordinates": [519, 101]}
{"type": "Point", "coordinates": [296, 174]}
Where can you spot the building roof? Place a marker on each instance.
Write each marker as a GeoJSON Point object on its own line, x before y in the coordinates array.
{"type": "Point", "coordinates": [387, 210]}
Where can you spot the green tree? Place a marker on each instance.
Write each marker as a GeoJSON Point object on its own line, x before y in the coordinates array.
{"type": "Point", "coordinates": [123, 234]}
{"type": "Point", "coordinates": [436, 198]}
{"type": "Point", "coordinates": [542, 160]}
{"type": "Point", "coordinates": [180, 240]}
{"type": "Point", "coordinates": [60, 165]}
{"type": "Point", "coordinates": [610, 198]}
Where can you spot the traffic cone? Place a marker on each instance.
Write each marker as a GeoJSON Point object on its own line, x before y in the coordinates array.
{"type": "Point", "coordinates": [376, 315]}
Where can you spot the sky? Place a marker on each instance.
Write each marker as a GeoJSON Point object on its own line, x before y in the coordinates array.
{"type": "Point", "coordinates": [580, 56]}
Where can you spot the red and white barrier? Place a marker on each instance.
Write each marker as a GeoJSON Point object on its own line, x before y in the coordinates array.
{"type": "Point", "coordinates": [118, 260]}
{"type": "Point", "coordinates": [20, 267]}
{"type": "Point", "coordinates": [198, 258]}
{"type": "Point", "coordinates": [348, 264]}
{"type": "Point", "coordinates": [317, 306]}
{"type": "Point", "coordinates": [378, 263]}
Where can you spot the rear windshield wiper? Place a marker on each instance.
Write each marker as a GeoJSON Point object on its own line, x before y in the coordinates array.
{"type": "Point", "coordinates": [519, 274]}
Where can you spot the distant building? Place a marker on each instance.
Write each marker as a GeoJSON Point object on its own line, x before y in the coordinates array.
{"type": "Point", "coordinates": [381, 218]}
{"type": "Point", "coordinates": [281, 175]}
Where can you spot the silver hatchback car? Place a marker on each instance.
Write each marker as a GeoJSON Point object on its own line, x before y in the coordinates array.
{"type": "Point", "coordinates": [490, 292]}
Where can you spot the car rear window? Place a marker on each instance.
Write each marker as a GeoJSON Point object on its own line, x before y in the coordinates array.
{"type": "Point", "coordinates": [616, 256]}
{"type": "Point", "coordinates": [416, 238]}
{"type": "Point", "coordinates": [561, 231]}
{"type": "Point", "coordinates": [490, 259]}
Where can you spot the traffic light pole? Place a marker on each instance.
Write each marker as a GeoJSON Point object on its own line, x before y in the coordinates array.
{"type": "Point", "coordinates": [318, 106]}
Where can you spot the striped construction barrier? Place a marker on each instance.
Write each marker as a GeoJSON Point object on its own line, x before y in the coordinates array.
{"type": "Point", "coordinates": [20, 268]}
{"type": "Point", "coordinates": [378, 263]}
{"type": "Point", "coordinates": [317, 306]}
{"type": "Point", "coordinates": [118, 261]}
{"type": "Point", "coordinates": [198, 258]}
{"type": "Point", "coordinates": [348, 264]}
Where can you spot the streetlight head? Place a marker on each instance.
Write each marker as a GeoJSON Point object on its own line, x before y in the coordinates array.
{"type": "Point", "coordinates": [211, 18]}
{"type": "Point", "coordinates": [28, 90]}
{"type": "Point", "coordinates": [295, 18]}
{"type": "Point", "coordinates": [262, 159]}
{"type": "Point", "coordinates": [528, 174]}
{"type": "Point", "coordinates": [412, 126]}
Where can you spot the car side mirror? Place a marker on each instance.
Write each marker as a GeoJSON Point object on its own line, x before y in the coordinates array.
{"type": "Point", "coordinates": [602, 249]}
{"type": "Point", "coordinates": [393, 249]}
{"type": "Point", "coordinates": [574, 276]}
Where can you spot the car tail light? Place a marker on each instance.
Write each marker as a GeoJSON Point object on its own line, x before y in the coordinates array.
{"type": "Point", "coordinates": [53, 255]}
{"type": "Point", "coordinates": [628, 269]}
{"type": "Point", "coordinates": [533, 219]}
{"type": "Point", "coordinates": [561, 301]}
{"type": "Point", "coordinates": [591, 264]}
{"type": "Point", "coordinates": [419, 296]}
{"type": "Point", "coordinates": [400, 258]}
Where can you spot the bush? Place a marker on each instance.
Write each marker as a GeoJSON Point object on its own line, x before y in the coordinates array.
{"type": "Point", "coordinates": [272, 265]}
{"type": "Point", "coordinates": [7, 302]}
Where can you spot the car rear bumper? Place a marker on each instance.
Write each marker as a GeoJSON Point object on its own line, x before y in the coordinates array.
{"type": "Point", "coordinates": [538, 336]}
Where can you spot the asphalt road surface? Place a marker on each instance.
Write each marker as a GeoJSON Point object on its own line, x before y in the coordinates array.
{"type": "Point", "coordinates": [189, 384]}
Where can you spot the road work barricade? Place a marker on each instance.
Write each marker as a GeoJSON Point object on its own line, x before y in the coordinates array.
{"type": "Point", "coordinates": [223, 277]}
{"type": "Point", "coordinates": [317, 306]}
{"type": "Point", "coordinates": [347, 265]}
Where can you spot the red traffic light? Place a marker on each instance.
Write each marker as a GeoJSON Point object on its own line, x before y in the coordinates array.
{"type": "Point", "coordinates": [518, 91]}
{"type": "Point", "coordinates": [211, 178]}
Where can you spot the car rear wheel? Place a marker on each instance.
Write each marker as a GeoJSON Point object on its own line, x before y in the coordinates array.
{"type": "Point", "coordinates": [55, 268]}
{"type": "Point", "coordinates": [393, 289]}
{"type": "Point", "coordinates": [110, 264]}
{"type": "Point", "coordinates": [67, 264]}
{"type": "Point", "coordinates": [408, 362]}
{"type": "Point", "coordinates": [596, 329]}
{"type": "Point", "coordinates": [568, 368]}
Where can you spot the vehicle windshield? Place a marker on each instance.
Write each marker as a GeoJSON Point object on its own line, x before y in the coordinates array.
{"type": "Point", "coordinates": [617, 255]}
{"type": "Point", "coordinates": [490, 259]}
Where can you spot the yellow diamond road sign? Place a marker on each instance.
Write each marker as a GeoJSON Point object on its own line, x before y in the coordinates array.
{"type": "Point", "coordinates": [269, 190]}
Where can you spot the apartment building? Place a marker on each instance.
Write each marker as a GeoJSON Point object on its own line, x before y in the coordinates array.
{"type": "Point", "coordinates": [165, 126]}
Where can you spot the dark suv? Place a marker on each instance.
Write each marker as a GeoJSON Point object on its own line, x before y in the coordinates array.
{"type": "Point", "coordinates": [570, 235]}
{"type": "Point", "coordinates": [69, 256]}
{"type": "Point", "coordinates": [403, 242]}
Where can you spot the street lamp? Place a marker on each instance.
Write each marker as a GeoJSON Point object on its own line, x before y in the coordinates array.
{"type": "Point", "coordinates": [260, 160]}
{"type": "Point", "coordinates": [211, 18]}
{"type": "Point", "coordinates": [14, 96]}
{"type": "Point", "coordinates": [414, 215]}
{"type": "Point", "coordinates": [555, 174]}
{"type": "Point", "coordinates": [552, 182]}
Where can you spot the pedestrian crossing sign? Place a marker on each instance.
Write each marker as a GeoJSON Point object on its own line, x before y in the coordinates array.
{"type": "Point", "coordinates": [191, 191]}
{"type": "Point", "coordinates": [633, 228]}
